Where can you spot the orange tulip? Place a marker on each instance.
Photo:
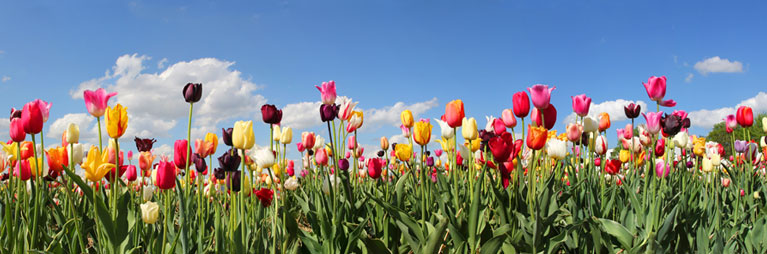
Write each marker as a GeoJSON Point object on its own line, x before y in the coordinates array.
{"type": "Point", "coordinates": [422, 133]}
{"type": "Point", "coordinates": [117, 121]}
{"type": "Point", "coordinates": [57, 158]}
{"type": "Point", "coordinates": [454, 113]}
{"type": "Point", "coordinates": [536, 137]}
{"type": "Point", "coordinates": [604, 121]}
{"type": "Point", "coordinates": [26, 150]}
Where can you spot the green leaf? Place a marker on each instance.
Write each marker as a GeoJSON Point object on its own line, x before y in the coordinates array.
{"type": "Point", "coordinates": [618, 231]}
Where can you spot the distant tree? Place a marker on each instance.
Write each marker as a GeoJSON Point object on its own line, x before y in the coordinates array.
{"type": "Point", "coordinates": [719, 134]}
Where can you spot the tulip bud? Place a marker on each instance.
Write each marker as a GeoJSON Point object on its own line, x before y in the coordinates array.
{"type": "Point", "coordinates": [469, 129]}
{"type": "Point", "coordinates": [343, 164]}
{"type": "Point", "coordinates": [73, 133]}
{"type": "Point", "coordinates": [149, 212]}
{"type": "Point", "coordinates": [192, 92]}
{"type": "Point", "coordinates": [286, 136]}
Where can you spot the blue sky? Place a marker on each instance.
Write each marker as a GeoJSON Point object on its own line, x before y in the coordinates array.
{"type": "Point", "coordinates": [420, 53]}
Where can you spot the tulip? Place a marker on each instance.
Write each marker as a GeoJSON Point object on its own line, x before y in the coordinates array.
{"type": "Point", "coordinates": [499, 126]}
{"type": "Point", "coordinates": [446, 130]}
{"type": "Point", "coordinates": [501, 147]}
{"type": "Point", "coordinates": [23, 170]}
{"type": "Point", "coordinates": [581, 104]}
{"type": "Point", "coordinates": [16, 129]}
{"type": "Point", "coordinates": [264, 157]}
{"type": "Point", "coordinates": [661, 168]}
{"type": "Point", "coordinates": [192, 92]}
{"type": "Point", "coordinates": [226, 135]}
{"type": "Point", "coordinates": [556, 149]}
{"type": "Point", "coordinates": [536, 137]}
{"type": "Point", "coordinates": [764, 124]}
{"type": "Point", "coordinates": [149, 212]}
{"type": "Point", "coordinates": [681, 139]}
{"type": "Point", "coordinates": [72, 134]}
{"type": "Point", "coordinates": [374, 167]}
{"type": "Point", "coordinates": [75, 152]}
{"type": "Point", "coordinates": [716, 160]}
{"type": "Point", "coordinates": [744, 116]}
{"type": "Point", "coordinates": [270, 114]}
{"type": "Point", "coordinates": [276, 133]}
{"type": "Point", "coordinates": [199, 163]}
{"type": "Point", "coordinates": [117, 121]}
{"type": "Point", "coordinates": [541, 95]}
{"type": "Point", "coordinates": [180, 158]}
{"type": "Point", "coordinates": [628, 131]}
{"type": "Point", "coordinates": [406, 118]}
{"type": "Point", "coordinates": [96, 165]}
{"type": "Point", "coordinates": [212, 140]}
{"type": "Point", "coordinates": [242, 135]}
{"type": "Point", "coordinates": [403, 152]}
{"type": "Point", "coordinates": [706, 165]}
{"type": "Point", "coordinates": [574, 132]}
{"type": "Point", "coordinates": [549, 117]}
{"type": "Point", "coordinates": [384, 143]}
{"type": "Point", "coordinates": [57, 158]}
{"type": "Point", "coordinates": [601, 145]}
{"type": "Point", "coordinates": [624, 156]}
{"type": "Point", "coordinates": [328, 112]}
{"type": "Point", "coordinates": [265, 196]}
{"type": "Point", "coordinates": [699, 146]}
{"type": "Point", "coordinates": [130, 173]}
{"type": "Point", "coordinates": [321, 157]}
{"type": "Point", "coordinates": [166, 175]}
{"type": "Point", "coordinates": [286, 136]}
{"type": "Point", "coordinates": [26, 150]}
{"type": "Point", "coordinates": [473, 145]}
{"type": "Point", "coordinates": [96, 101]}
{"type": "Point", "coordinates": [291, 184]}
{"type": "Point", "coordinates": [730, 123]}
{"type": "Point", "coordinates": [604, 121]}
{"type": "Point", "coordinates": [343, 164]}
{"type": "Point", "coordinates": [613, 167]}
{"type": "Point", "coordinates": [422, 133]}
{"type": "Point", "coordinates": [328, 92]}
{"type": "Point", "coordinates": [673, 124]}
{"type": "Point", "coordinates": [589, 125]}
{"type": "Point", "coordinates": [653, 121]}
{"type": "Point", "coordinates": [632, 110]}
{"type": "Point", "coordinates": [319, 142]}
{"type": "Point", "coordinates": [355, 121]}
{"type": "Point", "coordinates": [656, 90]}
{"type": "Point", "coordinates": [32, 116]}
{"type": "Point", "coordinates": [144, 145]}
{"type": "Point", "coordinates": [454, 113]}
{"type": "Point", "coordinates": [469, 128]}
{"type": "Point", "coordinates": [508, 118]}
{"type": "Point", "coordinates": [521, 103]}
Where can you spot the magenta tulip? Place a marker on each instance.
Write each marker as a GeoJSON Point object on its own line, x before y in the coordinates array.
{"type": "Point", "coordinates": [653, 121]}
{"type": "Point", "coordinates": [581, 104]}
{"type": "Point", "coordinates": [32, 117]}
{"type": "Point", "coordinates": [730, 123]}
{"type": "Point", "coordinates": [541, 95]}
{"type": "Point", "coordinates": [328, 92]}
{"type": "Point", "coordinates": [656, 90]}
{"type": "Point", "coordinates": [96, 101]}
{"type": "Point", "coordinates": [166, 175]}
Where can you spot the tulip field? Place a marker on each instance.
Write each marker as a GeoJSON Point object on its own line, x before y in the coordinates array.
{"type": "Point", "coordinates": [515, 186]}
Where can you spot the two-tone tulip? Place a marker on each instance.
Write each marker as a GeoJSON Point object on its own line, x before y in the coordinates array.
{"type": "Point", "coordinates": [117, 121]}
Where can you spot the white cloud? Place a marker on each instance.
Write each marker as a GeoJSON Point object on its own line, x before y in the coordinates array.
{"type": "Point", "coordinates": [706, 119]}
{"type": "Point", "coordinates": [302, 115]}
{"type": "Point", "coordinates": [716, 64]}
{"type": "Point", "coordinates": [161, 63]}
{"type": "Point", "coordinates": [390, 115]}
{"type": "Point", "coordinates": [83, 120]}
{"type": "Point", "coordinates": [689, 77]}
{"type": "Point", "coordinates": [612, 108]}
{"type": "Point", "coordinates": [5, 126]}
{"type": "Point", "coordinates": [5, 79]}
{"type": "Point", "coordinates": [155, 102]}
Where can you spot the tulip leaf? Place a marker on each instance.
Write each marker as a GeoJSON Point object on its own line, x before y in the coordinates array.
{"type": "Point", "coordinates": [618, 231]}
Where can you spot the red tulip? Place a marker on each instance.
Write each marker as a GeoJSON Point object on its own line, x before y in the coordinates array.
{"type": "Point", "coordinates": [549, 115]}
{"type": "Point", "coordinates": [130, 173]}
{"type": "Point", "coordinates": [499, 126]}
{"type": "Point", "coordinates": [265, 196]}
{"type": "Point", "coordinates": [23, 170]}
{"type": "Point", "coordinates": [32, 117]}
{"type": "Point", "coordinates": [613, 167]}
{"type": "Point", "coordinates": [180, 151]}
{"type": "Point", "coordinates": [501, 146]}
{"type": "Point", "coordinates": [521, 104]}
{"type": "Point", "coordinates": [374, 167]}
{"type": "Point", "coordinates": [454, 113]}
{"type": "Point", "coordinates": [166, 175]}
{"type": "Point", "coordinates": [17, 130]}
{"type": "Point", "coordinates": [745, 116]}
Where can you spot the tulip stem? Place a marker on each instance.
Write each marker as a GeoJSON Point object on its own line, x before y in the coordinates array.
{"type": "Point", "coordinates": [38, 176]}
{"type": "Point", "coordinates": [98, 123]}
{"type": "Point", "coordinates": [188, 158]}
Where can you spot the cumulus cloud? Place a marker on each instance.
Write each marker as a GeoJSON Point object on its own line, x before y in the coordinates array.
{"type": "Point", "coordinates": [706, 118]}
{"type": "Point", "coordinates": [716, 64]}
{"type": "Point", "coordinates": [86, 122]}
{"type": "Point", "coordinates": [5, 79]}
{"type": "Point", "coordinates": [5, 126]}
{"type": "Point", "coordinates": [613, 108]}
{"type": "Point", "coordinates": [689, 77]}
{"type": "Point", "coordinates": [154, 100]}
{"type": "Point", "coordinates": [161, 63]}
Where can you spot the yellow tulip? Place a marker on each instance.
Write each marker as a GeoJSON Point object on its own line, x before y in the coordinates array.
{"type": "Point", "coordinates": [624, 156]}
{"type": "Point", "coordinates": [447, 144]}
{"type": "Point", "coordinates": [276, 133]}
{"type": "Point", "coordinates": [73, 133]}
{"type": "Point", "coordinates": [242, 135]}
{"type": "Point", "coordinates": [277, 170]}
{"type": "Point", "coordinates": [469, 129]}
{"type": "Point", "coordinates": [407, 118]}
{"type": "Point", "coordinates": [37, 168]}
{"type": "Point", "coordinates": [403, 152]}
{"type": "Point", "coordinates": [422, 133]}
{"type": "Point", "coordinates": [699, 146]}
{"type": "Point", "coordinates": [11, 150]}
{"type": "Point", "coordinates": [211, 138]}
{"type": "Point", "coordinates": [473, 144]}
{"type": "Point", "coordinates": [286, 136]}
{"type": "Point", "coordinates": [117, 120]}
{"type": "Point", "coordinates": [96, 165]}
{"type": "Point", "coordinates": [149, 212]}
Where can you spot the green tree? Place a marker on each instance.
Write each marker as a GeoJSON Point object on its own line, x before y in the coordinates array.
{"type": "Point", "coordinates": [719, 134]}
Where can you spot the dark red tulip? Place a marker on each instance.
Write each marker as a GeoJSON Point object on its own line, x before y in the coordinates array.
{"type": "Point", "coordinates": [328, 112]}
{"type": "Point", "coordinates": [144, 144]}
{"type": "Point", "coordinates": [199, 163]}
{"type": "Point", "coordinates": [265, 196]}
{"type": "Point", "coordinates": [229, 161]}
{"type": "Point", "coordinates": [192, 92]}
{"type": "Point", "coordinates": [270, 114]}
{"type": "Point", "coordinates": [632, 110]}
{"type": "Point", "coordinates": [233, 181]}
{"type": "Point", "coordinates": [672, 124]}
{"type": "Point", "coordinates": [343, 164]}
{"type": "Point", "coordinates": [226, 135]}
{"type": "Point", "coordinates": [550, 115]}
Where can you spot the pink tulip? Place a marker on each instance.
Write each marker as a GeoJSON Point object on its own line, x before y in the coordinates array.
{"type": "Point", "coordinates": [180, 150]}
{"type": "Point", "coordinates": [541, 95]}
{"type": "Point", "coordinates": [405, 130]}
{"type": "Point", "coordinates": [96, 101]}
{"type": "Point", "coordinates": [499, 126]}
{"type": "Point", "coordinates": [300, 147]}
{"type": "Point", "coordinates": [321, 157]}
{"type": "Point", "coordinates": [438, 152]}
{"type": "Point", "coordinates": [351, 143]}
{"type": "Point", "coordinates": [23, 170]}
{"type": "Point", "coordinates": [628, 132]}
{"type": "Point", "coordinates": [33, 117]}
{"type": "Point", "coordinates": [166, 175]}
{"type": "Point", "coordinates": [291, 168]}
{"type": "Point", "coordinates": [661, 169]}
{"type": "Point", "coordinates": [17, 130]}
{"type": "Point", "coordinates": [581, 104]}
{"type": "Point", "coordinates": [508, 118]}
{"type": "Point", "coordinates": [726, 182]}
{"type": "Point", "coordinates": [656, 90]}
{"type": "Point", "coordinates": [130, 173]}
{"type": "Point", "coordinates": [328, 92]}
{"type": "Point", "coordinates": [574, 132]}
{"type": "Point", "coordinates": [730, 123]}
{"type": "Point", "coordinates": [653, 121]}
{"type": "Point", "coordinates": [348, 154]}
